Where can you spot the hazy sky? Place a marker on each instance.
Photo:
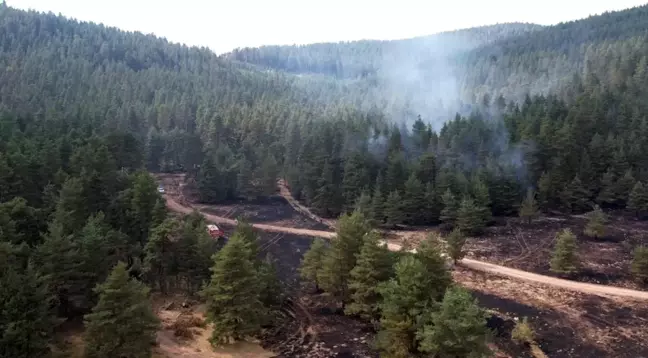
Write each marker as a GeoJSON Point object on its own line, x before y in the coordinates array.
{"type": "Point", "coordinates": [223, 25]}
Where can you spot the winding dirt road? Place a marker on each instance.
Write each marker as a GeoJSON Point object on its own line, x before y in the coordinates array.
{"type": "Point", "coordinates": [599, 290]}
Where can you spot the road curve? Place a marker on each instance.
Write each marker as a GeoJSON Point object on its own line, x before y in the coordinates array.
{"type": "Point", "coordinates": [599, 290]}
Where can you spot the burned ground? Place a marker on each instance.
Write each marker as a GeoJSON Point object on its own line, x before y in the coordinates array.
{"type": "Point", "coordinates": [528, 247]}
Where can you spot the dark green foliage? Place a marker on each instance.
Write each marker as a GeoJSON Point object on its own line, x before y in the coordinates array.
{"type": "Point", "coordinates": [413, 204]}
{"type": "Point", "coordinates": [374, 265]}
{"type": "Point", "coordinates": [271, 291]}
{"type": "Point", "coordinates": [341, 258]}
{"type": "Point", "coordinates": [394, 213]}
{"type": "Point", "coordinates": [122, 324]}
{"type": "Point", "coordinates": [363, 205]}
{"type": "Point", "coordinates": [638, 199]}
{"type": "Point", "coordinates": [429, 253]}
{"type": "Point", "coordinates": [596, 221]}
{"type": "Point", "coordinates": [234, 294]}
{"type": "Point", "coordinates": [26, 319]}
{"type": "Point", "coordinates": [377, 206]}
{"type": "Point", "coordinates": [159, 263]}
{"type": "Point", "coordinates": [456, 241]}
{"type": "Point", "coordinates": [312, 262]}
{"type": "Point", "coordinates": [405, 298]}
{"type": "Point", "coordinates": [576, 198]}
{"type": "Point", "coordinates": [457, 329]}
{"type": "Point", "coordinates": [564, 259]}
{"type": "Point", "coordinates": [470, 217]}
{"type": "Point", "coordinates": [450, 208]}
{"type": "Point", "coordinates": [639, 266]}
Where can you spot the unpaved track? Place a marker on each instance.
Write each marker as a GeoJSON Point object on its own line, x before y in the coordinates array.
{"type": "Point", "coordinates": [600, 290]}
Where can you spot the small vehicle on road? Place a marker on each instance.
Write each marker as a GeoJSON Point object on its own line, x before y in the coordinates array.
{"type": "Point", "coordinates": [160, 189]}
{"type": "Point", "coordinates": [215, 232]}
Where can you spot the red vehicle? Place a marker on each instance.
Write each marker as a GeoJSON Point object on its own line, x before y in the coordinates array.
{"type": "Point", "coordinates": [214, 231]}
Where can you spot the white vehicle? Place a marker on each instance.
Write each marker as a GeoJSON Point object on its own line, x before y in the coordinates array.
{"type": "Point", "coordinates": [160, 189]}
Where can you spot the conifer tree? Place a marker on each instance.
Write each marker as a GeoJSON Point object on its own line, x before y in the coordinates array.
{"type": "Point", "coordinates": [470, 218]}
{"type": "Point", "coordinates": [596, 221]}
{"type": "Point", "coordinates": [268, 176]}
{"type": "Point", "coordinates": [377, 207]}
{"type": "Point", "coordinates": [363, 204]}
{"type": "Point", "coordinates": [405, 298]}
{"type": "Point", "coordinates": [564, 259]}
{"type": "Point", "coordinates": [341, 258]}
{"type": "Point", "coordinates": [529, 207]}
{"type": "Point", "coordinates": [456, 242]}
{"type": "Point", "coordinates": [374, 265]}
{"type": "Point", "coordinates": [639, 266]}
{"type": "Point", "coordinates": [271, 291]}
{"type": "Point", "coordinates": [233, 295]}
{"type": "Point", "coordinates": [394, 209]}
{"type": "Point", "coordinates": [457, 329]}
{"type": "Point", "coordinates": [122, 324]}
{"type": "Point", "coordinates": [576, 197]}
{"type": "Point", "coordinates": [158, 262]}
{"type": "Point", "coordinates": [450, 208]}
{"type": "Point", "coordinates": [312, 262]}
{"type": "Point", "coordinates": [607, 195]}
{"type": "Point", "coordinates": [27, 321]}
{"type": "Point", "coordinates": [638, 199]}
{"type": "Point", "coordinates": [429, 253]}
{"type": "Point", "coordinates": [413, 200]}
{"type": "Point", "coordinates": [623, 187]}
{"type": "Point", "coordinates": [482, 199]}
{"type": "Point", "coordinates": [431, 205]}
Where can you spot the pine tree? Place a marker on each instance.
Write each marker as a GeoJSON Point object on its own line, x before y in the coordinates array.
{"type": "Point", "coordinates": [312, 262]}
{"type": "Point", "coordinates": [122, 324]}
{"type": "Point", "coordinates": [450, 208]}
{"type": "Point", "coordinates": [405, 298]}
{"type": "Point", "coordinates": [158, 262]}
{"type": "Point", "coordinates": [394, 209]}
{"type": "Point", "coordinates": [456, 242]}
{"type": "Point", "coordinates": [431, 205]}
{"type": "Point", "coordinates": [234, 294]}
{"type": "Point", "coordinates": [639, 266]}
{"type": "Point", "coordinates": [623, 188]}
{"type": "Point", "coordinates": [377, 207]}
{"type": "Point", "coordinates": [268, 176]}
{"type": "Point", "coordinates": [341, 258]}
{"type": "Point", "coordinates": [363, 204]}
{"type": "Point", "coordinates": [27, 321]}
{"type": "Point", "coordinates": [470, 218]}
{"type": "Point", "coordinates": [271, 291]}
{"type": "Point", "coordinates": [564, 259]}
{"type": "Point", "coordinates": [638, 200]}
{"type": "Point", "coordinates": [529, 207]}
{"type": "Point", "coordinates": [607, 195]}
{"type": "Point", "coordinates": [457, 329]}
{"type": "Point", "coordinates": [576, 197]}
{"type": "Point", "coordinates": [429, 253]}
{"type": "Point", "coordinates": [596, 221]}
{"type": "Point", "coordinates": [413, 200]}
{"type": "Point", "coordinates": [374, 265]}
{"type": "Point", "coordinates": [482, 199]}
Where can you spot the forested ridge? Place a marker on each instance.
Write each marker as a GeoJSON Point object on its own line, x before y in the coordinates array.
{"type": "Point", "coordinates": [546, 121]}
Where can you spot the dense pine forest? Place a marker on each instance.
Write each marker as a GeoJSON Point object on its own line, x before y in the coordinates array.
{"type": "Point", "coordinates": [384, 133]}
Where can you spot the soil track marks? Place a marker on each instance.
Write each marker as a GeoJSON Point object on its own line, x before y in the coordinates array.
{"type": "Point", "coordinates": [600, 290]}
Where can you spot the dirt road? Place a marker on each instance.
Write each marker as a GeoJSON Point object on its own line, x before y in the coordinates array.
{"type": "Point", "coordinates": [600, 290]}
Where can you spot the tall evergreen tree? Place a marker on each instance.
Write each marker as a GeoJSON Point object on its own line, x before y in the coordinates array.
{"type": "Point", "coordinates": [450, 208]}
{"type": "Point", "coordinates": [234, 294]}
{"type": "Point", "coordinates": [457, 329]}
{"type": "Point", "coordinates": [341, 258]}
{"type": "Point", "coordinates": [456, 242]}
{"type": "Point", "coordinates": [122, 324]}
{"type": "Point", "coordinates": [312, 262]}
{"type": "Point", "coordinates": [27, 321]}
{"type": "Point", "coordinates": [470, 218]}
{"type": "Point", "coordinates": [638, 199]}
{"type": "Point", "coordinates": [394, 214]}
{"type": "Point", "coordinates": [374, 265]}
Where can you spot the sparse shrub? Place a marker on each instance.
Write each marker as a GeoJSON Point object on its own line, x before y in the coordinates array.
{"type": "Point", "coordinates": [523, 332]}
